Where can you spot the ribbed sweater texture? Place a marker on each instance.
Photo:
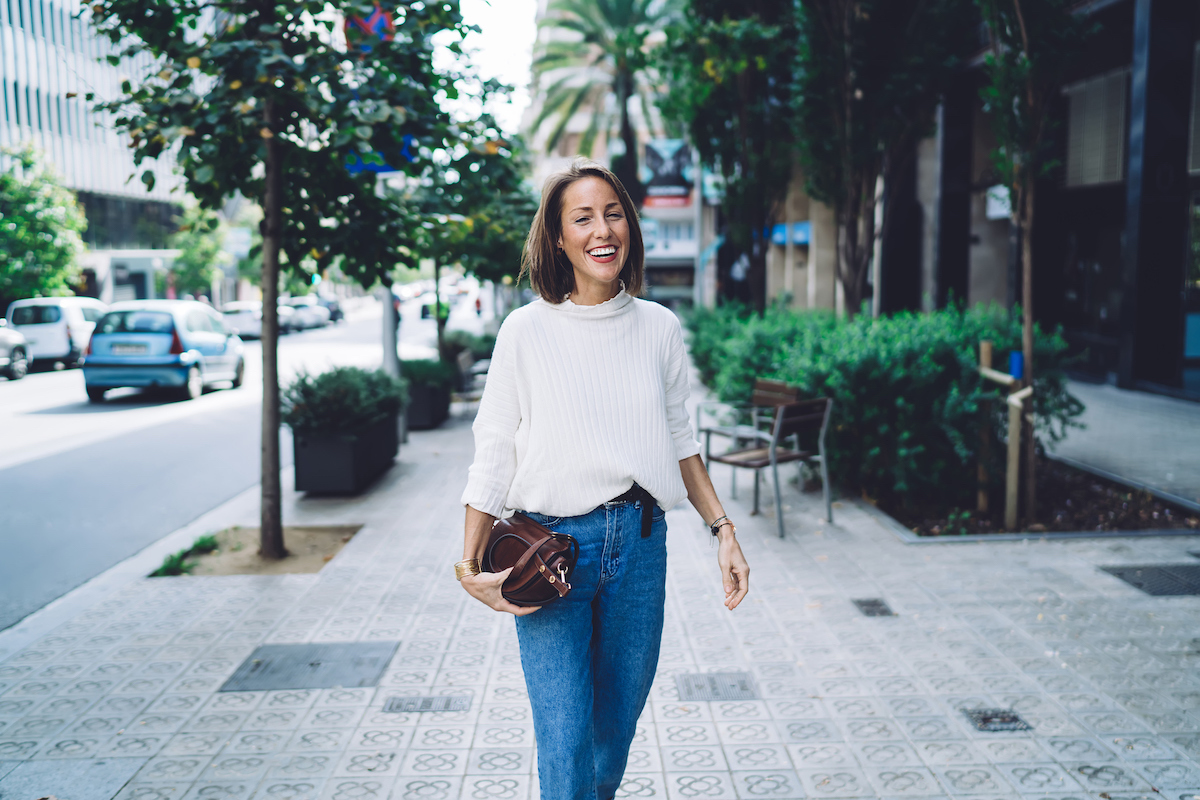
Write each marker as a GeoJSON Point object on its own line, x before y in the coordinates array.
{"type": "Point", "coordinates": [581, 402]}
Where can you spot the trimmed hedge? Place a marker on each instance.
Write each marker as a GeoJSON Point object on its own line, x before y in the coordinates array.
{"type": "Point", "coordinates": [907, 395]}
{"type": "Point", "coordinates": [342, 399]}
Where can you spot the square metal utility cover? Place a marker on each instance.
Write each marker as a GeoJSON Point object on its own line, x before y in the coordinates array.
{"type": "Point", "coordinates": [1161, 580]}
{"type": "Point", "coordinates": [874, 607]}
{"type": "Point", "coordinates": [312, 666]}
{"type": "Point", "coordinates": [695, 686]}
{"type": "Point", "coordinates": [409, 705]}
{"type": "Point", "coordinates": [994, 720]}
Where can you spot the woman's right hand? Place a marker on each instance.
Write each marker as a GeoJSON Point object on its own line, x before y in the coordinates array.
{"type": "Point", "coordinates": [485, 587]}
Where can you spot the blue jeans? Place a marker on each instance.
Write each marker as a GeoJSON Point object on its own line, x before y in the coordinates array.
{"type": "Point", "coordinates": [589, 658]}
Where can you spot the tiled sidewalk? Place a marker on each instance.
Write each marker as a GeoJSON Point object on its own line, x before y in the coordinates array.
{"type": "Point", "coordinates": [120, 698]}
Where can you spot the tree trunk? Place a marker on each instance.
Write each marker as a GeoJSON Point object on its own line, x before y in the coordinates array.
{"type": "Point", "coordinates": [271, 517]}
{"type": "Point", "coordinates": [625, 166]}
{"type": "Point", "coordinates": [1027, 348]}
{"type": "Point", "coordinates": [856, 243]}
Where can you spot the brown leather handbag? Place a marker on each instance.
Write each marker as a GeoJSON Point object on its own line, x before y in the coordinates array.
{"type": "Point", "coordinates": [542, 560]}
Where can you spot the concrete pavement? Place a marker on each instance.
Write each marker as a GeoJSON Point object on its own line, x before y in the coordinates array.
{"type": "Point", "coordinates": [1146, 439]}
{"type": "Point", "coordinates": [113, 691]}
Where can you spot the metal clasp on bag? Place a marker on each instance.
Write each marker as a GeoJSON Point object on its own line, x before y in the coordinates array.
{"type": "Point", "coordinates": [562, 575]}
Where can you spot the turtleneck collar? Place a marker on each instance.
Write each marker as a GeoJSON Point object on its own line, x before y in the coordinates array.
{"type": "Point", "coordinates": [617, 304]}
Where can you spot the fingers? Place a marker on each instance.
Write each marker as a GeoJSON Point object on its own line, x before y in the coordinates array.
{"type": "Point", "coordinates": [487, 588]}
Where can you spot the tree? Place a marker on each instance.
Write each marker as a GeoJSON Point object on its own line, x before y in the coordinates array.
{"type": "Point", "coordinates": [870, 74]}
{"type": "Point", "coordinates": [729, 78]}
{"type": "Point", "coordinates": [600, 65]}
{"type": "Point", "coordinates": [40, 227]}
{"type": "Point", "coordinates": [262, 97]}
{"type": "Point", "coordinates": [198, 241]}
{"type": "Point", "coordinates": [475, 213]}
{"type": "Point", "coordinates": [1031, 46]}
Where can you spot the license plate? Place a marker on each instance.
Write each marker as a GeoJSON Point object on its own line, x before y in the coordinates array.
{"type": "Point", "coordinates": [128, 349]}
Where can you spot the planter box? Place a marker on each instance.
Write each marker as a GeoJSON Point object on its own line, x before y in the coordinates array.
{"type": "Point", "coordinates": [428, 406]}
{"type": "Point", "coordinates": [344, 463]}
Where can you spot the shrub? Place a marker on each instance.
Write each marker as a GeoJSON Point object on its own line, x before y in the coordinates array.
{"type": "Point", "coordinates": [429, 372]}
{"type": "Point", "coordinates": [907, 396]}
{"type": "Point", "coordinates": [342, 399]}
{"type": "Point", "coordinates": [480, 345]}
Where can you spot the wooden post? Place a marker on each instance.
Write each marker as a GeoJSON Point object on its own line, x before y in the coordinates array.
{"type": "Point", "coordinates": [985, 434]}
{"type": "Point", "coordinates": [1016, 407]}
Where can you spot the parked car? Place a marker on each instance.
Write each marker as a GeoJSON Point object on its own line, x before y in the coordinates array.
{"type": "Point", "coordinates": [309, 312]}
{"type": "Point", "coordinates": [244, 316]}
{"type": "Point", "coordinates": [14, 353]}
{"type": "Point", "coordinates": [56, 328]}
{"type": "Point", "coordinates": [335, 308]}
{"type": "Point", "coordinates": [177, 344]}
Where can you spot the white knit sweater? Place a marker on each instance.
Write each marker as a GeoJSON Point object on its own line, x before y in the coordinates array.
{"type": "Point", "coordinates": [581, 402]}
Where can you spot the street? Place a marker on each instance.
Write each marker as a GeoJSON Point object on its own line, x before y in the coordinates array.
{"type": "Point", "coordinates": [84, 486]}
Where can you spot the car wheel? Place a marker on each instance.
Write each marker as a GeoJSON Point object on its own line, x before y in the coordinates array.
{"type": "Point", "coordinates": [18, 365]}
{"type": "Point", "coordinates": [239, 374]}
{"type": "Point", "coordinates": [194, 386]}
{"type": "Point", "coordinates": [96, 394]}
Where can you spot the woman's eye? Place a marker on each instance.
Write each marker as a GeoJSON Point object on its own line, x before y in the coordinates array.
{"type": "Point", "coordinates": [582, 219]}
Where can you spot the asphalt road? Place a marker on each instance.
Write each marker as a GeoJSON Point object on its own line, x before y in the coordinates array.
{"type": "Point", "coordinates": [84, 486]}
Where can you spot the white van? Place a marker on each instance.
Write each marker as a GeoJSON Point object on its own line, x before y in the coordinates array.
{"type": "Point", "coordinates": [57, 328]}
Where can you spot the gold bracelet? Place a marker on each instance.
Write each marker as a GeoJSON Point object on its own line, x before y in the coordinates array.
{"type": "Point", "coordinates": [467, 567]}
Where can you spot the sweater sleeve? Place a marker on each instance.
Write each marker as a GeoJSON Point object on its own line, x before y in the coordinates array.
{"type": "Point", "coordinates": [495, 429]}
{"type": "Point", "coordinates": [678, 390]}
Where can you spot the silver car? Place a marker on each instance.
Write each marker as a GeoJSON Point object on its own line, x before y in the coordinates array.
{"type": "Point", "coordinates": [14, 353]}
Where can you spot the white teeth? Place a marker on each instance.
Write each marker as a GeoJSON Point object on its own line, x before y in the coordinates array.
{"type": "Point", "coordinates": [600, 252]}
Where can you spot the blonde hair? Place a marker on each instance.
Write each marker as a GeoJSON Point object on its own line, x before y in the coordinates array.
{"type": "Point", "coordinates": [549, 270]}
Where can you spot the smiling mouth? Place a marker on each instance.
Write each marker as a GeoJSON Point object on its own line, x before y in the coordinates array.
{"type": "Point", "coordinates": [603, 252]}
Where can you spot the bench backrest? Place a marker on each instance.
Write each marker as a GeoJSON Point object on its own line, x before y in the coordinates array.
{"type": "Point", "coordinates": [798, 417]}
{"type": "Point", "coordinates": [774, 393]}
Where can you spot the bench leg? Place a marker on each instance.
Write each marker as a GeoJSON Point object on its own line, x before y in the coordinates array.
{"type": "Point", "coordinates": [778, 500]}
{"type": "Point", "coordinates": [755, 511]}
{"type": "Point", "coordinates": [825, 491]}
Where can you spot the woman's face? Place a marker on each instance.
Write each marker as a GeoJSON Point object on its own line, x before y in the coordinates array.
{"type": "Point", "coordinates": [595, 235]}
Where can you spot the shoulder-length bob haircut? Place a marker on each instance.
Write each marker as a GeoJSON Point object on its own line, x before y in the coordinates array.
{"type": "Point", "coordinates": [549, 270]}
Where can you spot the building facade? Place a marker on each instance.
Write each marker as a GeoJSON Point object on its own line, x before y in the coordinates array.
{"type": "Point", "coordinates": [1116, 243]}
{"type": "Point", "coordinates": [50, 59]}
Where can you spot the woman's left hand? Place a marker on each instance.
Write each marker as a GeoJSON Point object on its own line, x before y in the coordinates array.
{"type": "Point", "coordinates": [735, 572]}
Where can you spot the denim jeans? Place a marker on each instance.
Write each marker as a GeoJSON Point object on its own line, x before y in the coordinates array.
{"type": "Point", "coordinates": [589, 658]}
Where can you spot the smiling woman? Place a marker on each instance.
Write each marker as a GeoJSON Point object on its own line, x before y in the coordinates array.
{"type": "Point", "coordinates": [583, 427]}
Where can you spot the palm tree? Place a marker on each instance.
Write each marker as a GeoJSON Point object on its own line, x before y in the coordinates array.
{"type": "Point", "coordinates": [601, 64]}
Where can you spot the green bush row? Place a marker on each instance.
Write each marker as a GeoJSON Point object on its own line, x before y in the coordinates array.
{"type": "Point", "coordinates": [908, 399]}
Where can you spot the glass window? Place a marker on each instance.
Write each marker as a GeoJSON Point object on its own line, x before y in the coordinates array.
{"type": "Point", "coordinates": [216, 323]}
{"type": "Point", "coordinates": [36, 315]}
{"type": "Point", "coordinates": [198, 321]}
{"type": "Point", "coordinates": [92, 314]}
{"type": "Point", "coordinates": [136, 322]}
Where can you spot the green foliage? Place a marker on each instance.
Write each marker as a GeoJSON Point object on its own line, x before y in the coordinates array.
{"type": "Point", "coordinates": [429, 372]}
{"type": "Point", "coordinates": [480, 345]}
{"type": "Point", "coordinates": [174, 564]}
{"type": "Point", "coordinates": [907, 395]}
{"type": "Point", "coordinates": [729, 74]}
{"type": "Point", "coordinates": [278, 72]}
{"type": "Point", "coordinates": [205, 544]}
{"type": "Point", "coordinates": [40, 226]}
{"type": "Point", "coordinates": [595, 60]}
{"type": "Point", "coordinates": [870, 74]}
{"type": "Point", "coordinates": [178, 564]}
{"type": "Point", "coordinates": [1033, 44]}
{"type": "Point", "coordinates": [199, 241]}
{"type": "Point", "coordinates": [344, 399]}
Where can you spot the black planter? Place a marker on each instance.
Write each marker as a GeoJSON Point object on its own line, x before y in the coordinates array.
{"type": "Point", "coordinates": [428, 406]}
{"type": "Point", "coordinates": [344, 463]}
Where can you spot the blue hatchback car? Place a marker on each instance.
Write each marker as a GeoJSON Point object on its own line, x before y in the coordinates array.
{"type": "Point", "coordinates": [177, 344]}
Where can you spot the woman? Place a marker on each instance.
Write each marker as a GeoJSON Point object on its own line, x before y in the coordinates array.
{"type": "Point", "coordinates": [582, 423]}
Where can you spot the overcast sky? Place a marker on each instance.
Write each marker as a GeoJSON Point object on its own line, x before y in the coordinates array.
{"type": "Point", "coordinates": [503, 49]}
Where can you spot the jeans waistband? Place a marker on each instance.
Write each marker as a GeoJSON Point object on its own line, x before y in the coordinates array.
{"type": "Point", "coordinates": [633, 495]}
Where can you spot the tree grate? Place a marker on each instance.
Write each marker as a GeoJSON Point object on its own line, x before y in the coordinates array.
{"type": "Point", "coordinates": [312, 666]}
{"type": "Point", "coordinates": [1161, 580]}
{"type": "Point", "coordinates": [707, 686]}
{"type": "Point", "coordinates": [996, 720]}
{"type": "Point", "coordinates": [874, 607]}
{"type": "Point", "coordinates": [418, 705]}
